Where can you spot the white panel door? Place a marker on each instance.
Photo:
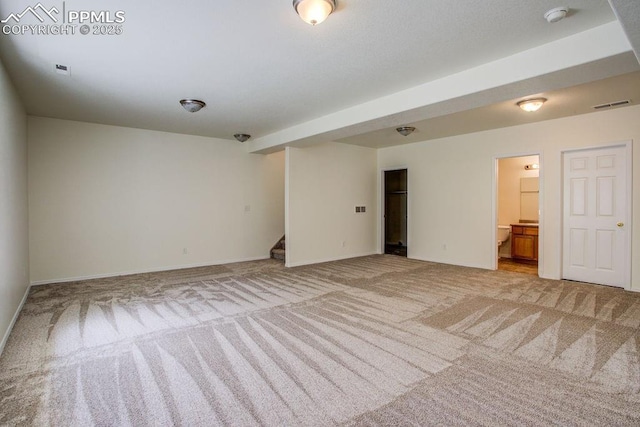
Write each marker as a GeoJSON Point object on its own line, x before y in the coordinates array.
{"type": "Point", "coordinates": [595, 229]}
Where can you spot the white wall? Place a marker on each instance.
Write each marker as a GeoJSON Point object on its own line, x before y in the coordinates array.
{"type": "Point", "coordinates": [107, 200]}
{"type": "Point", "coordinates": [14, 240]}
{"type": "Point", "coordinates": [451, 180]}
{"type": "Point", "coordinates": [324, 185]}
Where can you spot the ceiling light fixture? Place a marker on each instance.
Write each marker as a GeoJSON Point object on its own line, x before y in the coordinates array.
{"type": "Point", "coordinates": [192, 105]}
{"type": "Point", "coordinates": [242, 137]}
{"type": "Point", "coordinates": [314, 11]}
{"type": "Point", "coordinates": [405, 130]}
{"type": "Point", "coordinates": [531, 105]}
{"type": "Point", "coordinates": [556, 14]}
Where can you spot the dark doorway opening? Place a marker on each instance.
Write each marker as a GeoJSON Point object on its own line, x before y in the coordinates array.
{"type": "Point", "coordinates": [395, 212]}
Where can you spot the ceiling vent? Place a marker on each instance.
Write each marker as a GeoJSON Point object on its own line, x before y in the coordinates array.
{"type": "Point", "coordinates": [612, 104]}
{"type": "Point", "coordinates": [62, 69]}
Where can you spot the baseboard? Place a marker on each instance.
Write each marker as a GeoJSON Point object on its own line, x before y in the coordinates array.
{"type": "Point", "coordinates": [320, 261]}
{"type": "Point", "coordinates": [13, 321]}
{"type": "Point", "coordinates": [150, 270]}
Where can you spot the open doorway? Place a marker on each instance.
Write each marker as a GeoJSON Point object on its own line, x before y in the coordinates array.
{"type": "Point", "coordinates": [518, 214]}
{"type": "Point", "coordinates": [395, 212]}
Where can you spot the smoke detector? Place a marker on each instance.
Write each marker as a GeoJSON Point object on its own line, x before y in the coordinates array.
{"type": "Point", "coordinates": [556, 14]}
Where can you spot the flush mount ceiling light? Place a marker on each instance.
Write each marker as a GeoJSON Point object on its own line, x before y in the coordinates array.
{"type": "Point", "coordinates": [531, 105]}
{"type": "Point", "coordinates": [405, 130]}
{"type": "Point", "coordinates": [192, 105]}
{"type": "Point", "coordinates": [556, 14]}
{"type": "Point", "coordinates": [242, 137]}
{"type": "Point", "coordinates": [314, 11]}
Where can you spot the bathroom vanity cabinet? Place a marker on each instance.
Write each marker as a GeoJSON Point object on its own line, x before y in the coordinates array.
{"type": "Point", "coordinates": [524, 242]}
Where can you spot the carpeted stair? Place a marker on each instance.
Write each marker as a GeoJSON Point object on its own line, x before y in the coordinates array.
{"type": "Point", "coordinates": [279, 250]}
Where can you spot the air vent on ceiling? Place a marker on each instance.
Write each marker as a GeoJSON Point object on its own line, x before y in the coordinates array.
{"type": "Point", "coordinates": [62, 69]}
{"type": "Point", "coordinates": [612, 104]}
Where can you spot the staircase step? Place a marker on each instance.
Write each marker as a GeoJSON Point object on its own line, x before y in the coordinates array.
{"type": "Point", "coordinates": [278, 254]}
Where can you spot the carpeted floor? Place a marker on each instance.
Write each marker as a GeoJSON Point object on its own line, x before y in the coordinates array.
{"type": "Point", "coordinates": [380, 340]}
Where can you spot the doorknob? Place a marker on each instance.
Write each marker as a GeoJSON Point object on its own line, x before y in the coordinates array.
{"type": "Point", "coordinates": [620, 224]}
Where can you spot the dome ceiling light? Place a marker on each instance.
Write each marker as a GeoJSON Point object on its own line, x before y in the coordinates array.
{"type": "Point", "coordinates": [405, 130]}
{"type": "Point", "coordinates": [314, 11]}
{"type": "Point", "coordinates": [242, 137]}
{"type": "Point", "coordinates": [531, 105]}
{"type": "Point", "coordinates": [192, 105]}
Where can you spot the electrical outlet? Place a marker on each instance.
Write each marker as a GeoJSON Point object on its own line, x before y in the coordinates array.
{"type": "Point", "coordinates": [344, 244]}
{"type": "Point", "coordinates": [357, 209]}
{"type": "Point", "coordinates": [363, 209]}
{"type": "Point", "coordinates": [444, 246]}
{"type": "Point", "coordinates": [184, 251]}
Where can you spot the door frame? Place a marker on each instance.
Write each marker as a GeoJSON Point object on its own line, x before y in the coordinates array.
{"type": "Point", "coordinates": [628, 146]}
{"type": "Point", "coordinates": [494, 207]}
{"type": "Point", "coordinates": [381, 207]}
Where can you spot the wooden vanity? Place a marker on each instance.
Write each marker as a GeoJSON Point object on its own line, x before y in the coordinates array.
{"type": "Point", "coordinates": [524, 242]}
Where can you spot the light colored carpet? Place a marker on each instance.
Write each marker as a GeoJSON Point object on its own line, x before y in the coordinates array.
{"type": "Point", "coordinates": [379, 340]}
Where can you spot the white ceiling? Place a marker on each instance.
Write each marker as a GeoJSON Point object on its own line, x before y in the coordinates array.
{"type": "Point", "coordinates": [565, 102]}
{"type": "Point", "coordinates": [263, 71]}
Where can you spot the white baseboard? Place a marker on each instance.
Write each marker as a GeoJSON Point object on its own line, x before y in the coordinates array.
{"type": "Point", "coordinates": [320, 261]}
{"type": "Point", "coordinates": [13, 321]}
{"type": "Point", "coordinates": [150, 270]}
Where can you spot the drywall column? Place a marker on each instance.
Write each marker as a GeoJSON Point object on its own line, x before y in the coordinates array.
{"type": "Point", "coordinates": [324, 185]}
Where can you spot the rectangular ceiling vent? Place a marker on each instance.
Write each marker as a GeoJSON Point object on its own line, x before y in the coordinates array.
{"type": "Point", "coordinates": [62, 69]}
{"type": "Point", "coordinates": [612, 104]}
